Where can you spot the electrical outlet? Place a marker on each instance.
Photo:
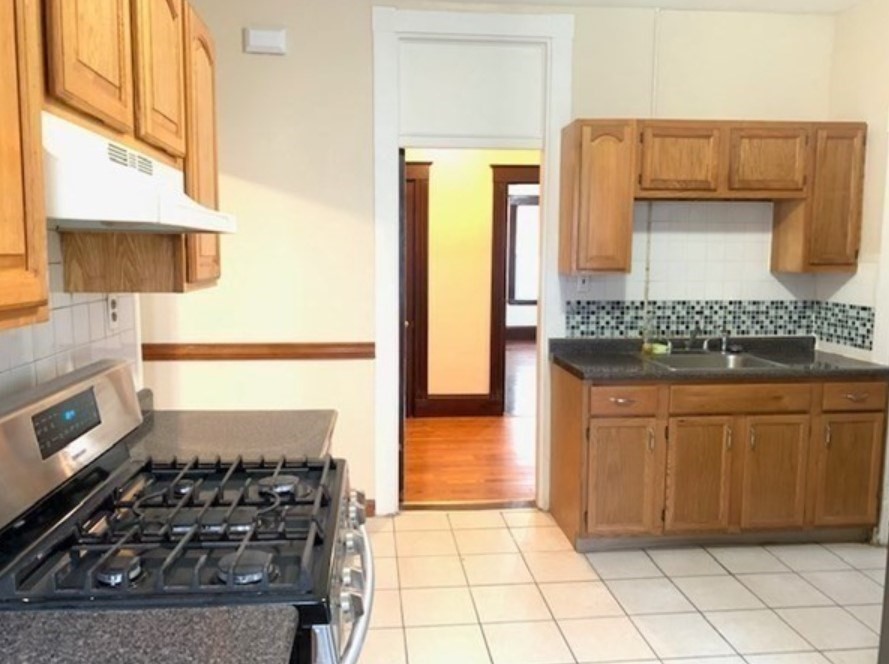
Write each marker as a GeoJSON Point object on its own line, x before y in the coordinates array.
{"type": "Point", "coordinates": [584, 284]}
{"type": "Point", "coordinates": [112, 312]}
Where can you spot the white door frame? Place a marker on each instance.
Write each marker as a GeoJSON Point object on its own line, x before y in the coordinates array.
{"type": "Point", "coordinates": [555, 33]}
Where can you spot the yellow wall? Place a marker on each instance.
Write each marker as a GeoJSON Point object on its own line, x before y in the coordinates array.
{"type": "Point", "coordinates": [461, 199]}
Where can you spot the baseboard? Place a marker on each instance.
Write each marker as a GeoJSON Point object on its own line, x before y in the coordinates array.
{"type": "Point", "coordinates": [458, 405]}
{"type": "Point", "coordinates": [523, 333]}
{"type": "Point", "coordinates": [458, 505]}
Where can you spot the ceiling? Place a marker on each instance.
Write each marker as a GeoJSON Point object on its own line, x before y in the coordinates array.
{"type": "Point", "coordinates": [777, 6]}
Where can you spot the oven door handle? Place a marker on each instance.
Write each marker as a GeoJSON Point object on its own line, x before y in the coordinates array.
{"type": "Point", "coordinates": [352, 651]}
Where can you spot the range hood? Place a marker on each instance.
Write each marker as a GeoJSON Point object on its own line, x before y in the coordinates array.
{"type": "Point", "coordinates": [93, 184]}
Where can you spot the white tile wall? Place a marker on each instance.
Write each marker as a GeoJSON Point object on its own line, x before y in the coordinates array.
{"type": "Point", "coordinates": [75, 335]}
{"type": "Point", "coordinates": [700, 251]}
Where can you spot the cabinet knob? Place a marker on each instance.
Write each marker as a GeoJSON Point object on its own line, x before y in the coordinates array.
{"type": "Point", "coordinates": [752, 438]}
{"type": "Point", "coordinates": [728, 437]}
{"type": "Point", "coordinates": [622, 401]}
{"type": "Point", "coordinates": [828, 434]}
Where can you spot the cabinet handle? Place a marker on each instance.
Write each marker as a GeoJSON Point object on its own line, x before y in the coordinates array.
{"type": "Point", "coordinates": [622, 401]}
{"type": "Point", "coordinates": [856, 397]}
{"type": "Point", "coordinates": [828, 434]}
{"type": "Point", "coordinates": [728, 437]}
{"type": "Point", "coordinates": [752, 438]}
{"type": "Point", "coordinates": [651, 439]}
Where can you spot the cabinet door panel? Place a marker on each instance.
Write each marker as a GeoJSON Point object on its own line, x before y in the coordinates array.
{"type": "Point", "coordinates": [848, 469]}
{"type": "Point", "coordinates": [23, 288]}
{"type": "Point", "coordinates": [605, 214]}
{"type": "Point", "coordinates": [698, 474]}
{"type": "Point", "coordinates": [90, 58]}
{"type": "Point", "coordinates": [774, 484]}
{"type": "Point", "coordinates": [680, 158]}
{"type": "Point", "coordinates": [764, 159]}
{"type": "Point", "coordinates": [160, 85]}
{"type": "Point", "coordinates": [625, 464]}
{"type": "Point", "coordinates": [836, 204]}
{"type": "Point", "coordinates": [201, 163]}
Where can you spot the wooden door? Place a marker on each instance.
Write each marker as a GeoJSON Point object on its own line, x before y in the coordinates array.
{"type": "Point", "coordinates": [626, 463]}
{"type": "Point", "coordinates": [773, 493]}
{"type": "Point", "coordinates": [682, 157]}
{"type": "Point", "coordinates": [836, 202]}
{"type": "Point", "coordinates": [768, 159]}
{"type": "Point", "coordinates": [848, 469]}
{"type": "Point", "coordinates": [699, 453]}
{"type": "Point", "coordinates": [201, 162]}
{"type": "Point", "coordinates": [159, 66]}
{"type": "Point", "coordinates": [90, 58]}
{"type": "Point", "coordinates": [604, 223]}
{"type": "Point", "coordinates": [23, 261]}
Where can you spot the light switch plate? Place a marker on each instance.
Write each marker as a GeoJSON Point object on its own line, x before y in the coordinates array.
{"type": "Point", "coordinates": [268, 41]}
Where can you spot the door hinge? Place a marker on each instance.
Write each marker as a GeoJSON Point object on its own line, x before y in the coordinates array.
{"type": "Point", "coordinates": [639, 179]}
{"type": "Point", "coordinates": [587, 434]}
{"type": "Point", "coordinates": [586, 517]}
{"type": "Point", "coordinates": [663, 515]}
{"type": "Point", "coordinates": [667, 433]}
{"type": "Point", "coordinates": [641, 136]}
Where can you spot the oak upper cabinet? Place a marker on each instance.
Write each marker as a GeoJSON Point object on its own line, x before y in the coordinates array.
{"type": "Point", "coordinates": [23, 260]}
{"type": "Point", "coordinates": [699, 454]}
{"type": "Point", "coordinates": [159, 35]}
{"type": "Point", "coordinates": [679, 156]}
{"type": "Point", "coordinates": [769, 158]}
{"type": "Point", "coordinates": [848, 469]}
{"type": "Point", "coordinates": [90, 58]}
{"type": "Point", "coordinates": [597, 197]}
{"type": "Point", "coordinates": [201, 162]}
{"type": "Point", "coordinates": [775, 455]}
{"type": "Point", "coordinates": [626, 473]}
{"type": "Point", "coordinates": [822, 233]}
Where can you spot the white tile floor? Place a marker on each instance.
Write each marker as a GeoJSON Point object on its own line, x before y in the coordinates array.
{"type": "Point", "coordinates": [505, 587]}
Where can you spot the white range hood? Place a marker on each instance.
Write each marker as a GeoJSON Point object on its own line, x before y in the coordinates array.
{"type": "Point", "coordinates": [93, 184]}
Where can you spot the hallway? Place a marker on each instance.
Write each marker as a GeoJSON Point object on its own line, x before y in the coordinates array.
{"type": "Point", "coordinates": [478, 459]}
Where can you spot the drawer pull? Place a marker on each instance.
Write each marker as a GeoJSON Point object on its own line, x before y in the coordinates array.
{"type": "Point", "coordinates": [828, 434]}
{"type": "Point", "coordinates": [856, 397]}
{"type": "Point", "coordinates": [752, 438]}
{"type": "Point", "coordinates": [728, 438]}
{"type": "Point", "coordinates": [650, 439]}
{"type": "Point", "coordinates": [622, 401]}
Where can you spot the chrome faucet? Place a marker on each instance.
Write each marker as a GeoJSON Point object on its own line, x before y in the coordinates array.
{"type": "Point", "coordinates": [723, 341]}
{"type": "Point", "coordinates": [695, 333]}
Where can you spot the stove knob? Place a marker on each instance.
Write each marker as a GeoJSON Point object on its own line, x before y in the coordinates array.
{"type": "Point", "coordinates": [353, 542]}
{"type": "Point", "coordinates": [357, 497]}
{"type": "Point", "coordinates": [352, 605]}
{"type": "Point", "coordinates": [357, 514]}
{"type": "Point", "coordinates": [353, 579]}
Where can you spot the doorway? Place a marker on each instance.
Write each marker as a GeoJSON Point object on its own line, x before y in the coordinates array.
{"type": "Point", "coordinates": [471, 274]}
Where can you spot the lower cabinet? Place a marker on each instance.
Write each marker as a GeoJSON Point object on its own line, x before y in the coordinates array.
{"type": "Point", "coordinates": [848, 469]}
{"type": "Point", "coordinates": [626, 460]}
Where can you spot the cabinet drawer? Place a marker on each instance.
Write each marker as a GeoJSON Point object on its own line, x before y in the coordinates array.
{"type": "Point", "coordinates": [854, 396]}
{"type": "Point", "coordinates": [613, 400]}
{"type": "Point", "coordinates": [746, 399]}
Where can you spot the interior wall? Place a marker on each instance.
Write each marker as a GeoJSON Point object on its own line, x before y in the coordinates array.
{"type": "Point", "coordinates": [461, 199]}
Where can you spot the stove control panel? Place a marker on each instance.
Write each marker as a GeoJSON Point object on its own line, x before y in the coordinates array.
{"type": "Point", "coordinates": [58, 426]}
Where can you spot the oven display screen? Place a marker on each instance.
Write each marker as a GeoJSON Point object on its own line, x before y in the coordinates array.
{"type": "Point", "coordinates": [65, 422]}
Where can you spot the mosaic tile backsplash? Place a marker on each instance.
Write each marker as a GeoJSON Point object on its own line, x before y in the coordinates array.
{"type": "Point", "coordinates": [839, 323]}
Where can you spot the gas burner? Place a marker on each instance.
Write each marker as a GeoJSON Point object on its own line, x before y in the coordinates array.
{"type": "Point", "coordinates": [249, 567]}
{"type": "Point", "coordinates": [284, 484]}
{"type": "Point", "coordinates": [124, 566]}
{"type": "Point", "coordinates": [183, 487]}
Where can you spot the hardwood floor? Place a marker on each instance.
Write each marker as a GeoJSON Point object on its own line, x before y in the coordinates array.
{"type": "Point", "coordinates": [477, 459]}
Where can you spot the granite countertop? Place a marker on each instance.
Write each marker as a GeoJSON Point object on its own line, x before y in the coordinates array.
{"type": "Point", "coordinates": [228, 434]}
{"type": "Point", "coordinates": [225, 635]}
{"type": "Point", "coordinates": [621, 360]}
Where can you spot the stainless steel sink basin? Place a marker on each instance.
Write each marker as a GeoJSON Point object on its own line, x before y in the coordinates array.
{"type": "Point", "coordinates": [712, 361]}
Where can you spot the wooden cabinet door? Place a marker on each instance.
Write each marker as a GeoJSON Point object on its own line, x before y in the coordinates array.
{"type": "Point", "coordinates": [680, 157]}
{"type": "Point", "coordinates": [605, 207]}
{"type": "Point", "coordinates": [699, 454]}
{"type": "Point", "coordinates": [836, 201]}
{"type": "Point", "coordinates": [23, 261]}
{"type": "Point", "coordinates": [774, 476]}
{"type": "Point", "coordinates": [626, 463]}
{"type": "Point", "coordinates": [768, 159]}
{"type": "Point", "coordinates": [201, 162]}
{"type": "Point", "coordinates": [848, 469]}
{"type": "Point", "coordinates": [90, 58]}
{"type": "Point", "coordinates": [159, 66]}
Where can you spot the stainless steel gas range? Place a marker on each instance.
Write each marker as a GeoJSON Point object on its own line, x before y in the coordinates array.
{"type": "Point", "coordinates": [85, 526]}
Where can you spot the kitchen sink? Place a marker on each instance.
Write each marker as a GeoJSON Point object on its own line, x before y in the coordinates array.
{"type": "Point", "coordinates": [712, 361]}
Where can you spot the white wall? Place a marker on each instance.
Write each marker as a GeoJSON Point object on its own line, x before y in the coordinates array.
{"type": "Point", "coordinates": [77, 334]}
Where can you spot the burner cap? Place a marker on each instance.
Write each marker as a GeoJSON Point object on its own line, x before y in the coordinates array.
{"type": "Point", "coordinates": [284, 484]}
{"type": "Point", "coordinates": [125, 565]}
{"type": "Point", "coordinates": [249, 568]}
{"type": "Point", "coordinates": [183, 487]}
